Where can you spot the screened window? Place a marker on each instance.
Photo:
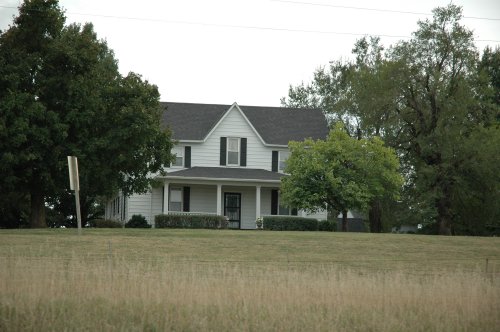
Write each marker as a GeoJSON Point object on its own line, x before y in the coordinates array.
{"type": "Point", "coordinates": [175, 199]}
{"type": "Point", "coordinates": [233, 151]}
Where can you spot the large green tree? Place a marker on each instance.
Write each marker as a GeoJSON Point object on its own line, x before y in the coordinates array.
{"type": "Point", "coordinates": [427, 97]}
{"type": "Point", "coordinates": [61, 94]}
{"type": "Point", "coordinates": [340, 173]}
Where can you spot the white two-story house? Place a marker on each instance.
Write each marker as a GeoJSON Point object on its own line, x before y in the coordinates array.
{"type": "Point", "coordinates": [229, 161]}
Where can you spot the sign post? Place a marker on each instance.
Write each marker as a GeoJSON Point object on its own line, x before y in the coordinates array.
{"type": "Point", "coordinates": [74, 184]}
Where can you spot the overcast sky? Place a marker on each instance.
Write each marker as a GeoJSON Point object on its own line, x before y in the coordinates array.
{"type": "Point", "coordinates": [250, 51]}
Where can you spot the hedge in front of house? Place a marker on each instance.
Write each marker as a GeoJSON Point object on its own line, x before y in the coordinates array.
{"type": "Point", "coordinates": [137, 221]}
{"type": "Point", "coordinates": [190, 221]}
{"type": "Point", "coordinates": [327, 226]}
{"type": "Point", "coordinates": [105, 223]}
{"type": "Point", "coordinates": [290, 223]}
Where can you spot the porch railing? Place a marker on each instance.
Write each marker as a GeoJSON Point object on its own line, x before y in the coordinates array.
{"type": "Point", "coordinates": [181, 213]}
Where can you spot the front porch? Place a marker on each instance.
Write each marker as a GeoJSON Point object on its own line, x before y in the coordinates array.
{"type": "Point", "coordinates": [241, 204]}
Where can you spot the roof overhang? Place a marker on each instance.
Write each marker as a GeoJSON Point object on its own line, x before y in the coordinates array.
{"type": "Point", "coordinates": [225, 174]}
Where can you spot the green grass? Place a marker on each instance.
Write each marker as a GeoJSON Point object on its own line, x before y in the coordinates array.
{"type": "Point", "coordinates": [376, 251]}
{"type": "Point", "coordinates": [161, 279]}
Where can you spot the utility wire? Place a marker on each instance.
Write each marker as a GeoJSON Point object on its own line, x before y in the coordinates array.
{"type": "Point", "coordinates": [250, 27]}
{"type": "Point", "coordinates": [374, 9]}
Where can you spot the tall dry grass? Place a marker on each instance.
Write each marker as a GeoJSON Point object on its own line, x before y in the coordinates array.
{"type": "Point", "coordinates": [117, 294]}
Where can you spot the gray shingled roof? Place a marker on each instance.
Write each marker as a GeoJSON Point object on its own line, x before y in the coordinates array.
{"type": "Point", "coordinates": [276, 125]}
{"type": "Point", "coordinates": [227, 173]}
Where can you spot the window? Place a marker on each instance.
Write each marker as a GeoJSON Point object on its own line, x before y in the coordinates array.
{"type": "Point", "coordinates": [277, 208]}
{"type": "Point", "coordinates": [179, 159]}
{"type": "Point", "coordinates": [233, 151]}
{"type": "Point", "coordinates": [175, 199]}
{"type": "Point", "coordinates": [283, 156]}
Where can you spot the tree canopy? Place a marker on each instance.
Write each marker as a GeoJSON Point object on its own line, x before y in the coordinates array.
{"type": "Point", "coordinates": [429, 98]}
{"type": "Point", "coordinates": [340, 173]}
{"type": "Point", "coordinates": [61, 94]}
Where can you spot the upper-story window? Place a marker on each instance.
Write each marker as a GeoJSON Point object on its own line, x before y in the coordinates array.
{"type": "Point", "coordinates": [278, 161]}
{"type": "Point", "coordinates": [233, 151]}
{"type": "Point", "coordinates": [179, 159]}
{"type": "Point", "coordinates": [283, 156]}
{"type": "Point", "coordinates": [182, 157]}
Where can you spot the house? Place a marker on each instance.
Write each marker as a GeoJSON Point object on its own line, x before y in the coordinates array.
{"type": "Point", "coordinates": [229, 161]}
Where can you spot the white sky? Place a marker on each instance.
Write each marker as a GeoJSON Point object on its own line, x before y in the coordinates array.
{"type": "Point", "coordinates": [205, 51]}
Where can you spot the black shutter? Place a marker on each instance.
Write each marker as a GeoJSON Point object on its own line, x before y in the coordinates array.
{"type": "Point", "coordinates": [162, 199]}
{"type": "Point", "coordinates": [186, 191]}
{"type": "Point", "coordinates": [243, 152]}
{"type": "Point", "coordinates": [223, 150]}
{"type": "Point", "coordinates": [274, 202]}
{"type": "Point", "coordinates": [274, 166]}
{"type": "Point", "coordinates": [187, 156]}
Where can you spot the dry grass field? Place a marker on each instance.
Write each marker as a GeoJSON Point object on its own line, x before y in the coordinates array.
{"type": "Point", "coordinates": [205, 280]}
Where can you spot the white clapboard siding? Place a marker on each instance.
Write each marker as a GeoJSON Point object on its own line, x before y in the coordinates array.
{"type": "Point", "coordinates": [140, 204]}
{"type": "Point", "coordinates": [233, 125]}
{"type": "Point", "coordinates": [157, 202]}
{"type": "Point", "coordinates": [203, 199]}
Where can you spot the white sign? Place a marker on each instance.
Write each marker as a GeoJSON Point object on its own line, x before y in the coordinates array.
{"type": "Point", "coordinates": [74, 183]}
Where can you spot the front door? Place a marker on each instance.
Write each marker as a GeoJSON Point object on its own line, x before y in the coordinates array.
{"type": "Point", "coordinates": [232, 209]}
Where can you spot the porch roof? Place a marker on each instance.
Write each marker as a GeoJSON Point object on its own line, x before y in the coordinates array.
{"type": "Point", "coordinates": [227, 173]}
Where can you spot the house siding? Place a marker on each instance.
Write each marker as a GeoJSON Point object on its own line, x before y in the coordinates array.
{"type": "Point", "coordinates": [203, 198]}
{"type": "Point", "coordinates": [233, 125]}
{"type": "Point", "coordinates": [140, 204]}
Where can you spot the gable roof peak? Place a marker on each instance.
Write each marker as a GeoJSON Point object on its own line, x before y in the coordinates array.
{"type": "Point", "coordinates": [274, 125]}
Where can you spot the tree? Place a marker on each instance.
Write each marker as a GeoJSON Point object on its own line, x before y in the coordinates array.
{"type": "Point", "coordinates": [490, 65]}
{"type": "Point", "coordinates": [339, 174]}
{"type": "Point", "coordinates": [427, 99]}
{"type": "Point", "coordinates": [61, 94]}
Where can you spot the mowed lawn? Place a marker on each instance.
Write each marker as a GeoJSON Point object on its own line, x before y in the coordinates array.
{"type": "Point", "coordinates": [222, 280]}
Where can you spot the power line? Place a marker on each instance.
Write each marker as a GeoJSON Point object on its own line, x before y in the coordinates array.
{"type": "Point", "coordinates": [374, 9]}
{"type": "Point", "coordinates": [249, 27]}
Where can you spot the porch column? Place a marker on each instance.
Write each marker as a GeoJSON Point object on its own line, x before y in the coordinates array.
{"type": "Point", "coordinates": [165, 197]}
{"type": "Point", "coordinates": [257, 202]}
{"type": "Point", "coordinates": [219, 200]}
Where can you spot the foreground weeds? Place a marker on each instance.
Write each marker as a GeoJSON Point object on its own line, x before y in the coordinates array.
{"type": "Point", "coordinates": [56, 294]}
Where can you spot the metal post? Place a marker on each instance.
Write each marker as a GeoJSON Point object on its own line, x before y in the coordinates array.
{"type": "Point", "coordinates": [74, 184]}
{"type": "Point", "coordinates": [78, 213]}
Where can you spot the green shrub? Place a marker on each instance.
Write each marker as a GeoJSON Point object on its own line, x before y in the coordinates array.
{"type": "Point", "coordinates": [327, 226]}
{"type": "Point", "coordinates": [190, 221]}
{"type": "Point", "coordinates": [290, 223]}
{"type": "Point", "coordinates": [137, 221]}
{"type": "Point", "coordinates": [105, 223]}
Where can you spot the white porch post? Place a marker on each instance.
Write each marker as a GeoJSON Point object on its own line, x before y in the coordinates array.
{"type": "Point", "coordinates": [165, 197]}
{"type": "Point", "coordinates": [257, 202]}
{"type": "Point", "coordinates": [219, 200]}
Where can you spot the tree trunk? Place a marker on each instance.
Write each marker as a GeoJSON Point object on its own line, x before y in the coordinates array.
{"type": "Point", "coordinates": [37, 218]}
{"type": "Point", "coordinates": [375, 217]}
{"type": "Point", "coordinates": [444, 215]}
{"type": "Point", "coordinates": [344, 221]}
